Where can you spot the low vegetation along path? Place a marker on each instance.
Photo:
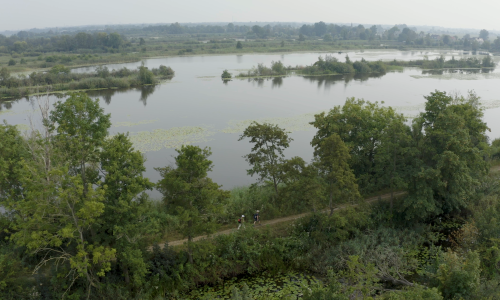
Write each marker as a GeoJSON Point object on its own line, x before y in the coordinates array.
{"type": "Point", "coordinates": [275, 221]}
{"type": "Point", "coordinates": [294, 217]}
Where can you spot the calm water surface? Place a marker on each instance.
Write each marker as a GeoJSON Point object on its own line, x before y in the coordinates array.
{"type": "Point", "coordinates": [196, 97]}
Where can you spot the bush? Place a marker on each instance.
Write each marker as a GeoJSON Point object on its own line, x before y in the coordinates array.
{"type": "Point", "coordinates": [458, 276]}
{"type": "Point", "coordinates": [146, 76]}
{"type": "Point", "coordinates": [12, 62]}
{"type": "Point", "coordinates": [226, 75]}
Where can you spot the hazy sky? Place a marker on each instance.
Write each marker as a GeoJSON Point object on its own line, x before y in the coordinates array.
{"type": "Point", "coordinates": [25, 14]}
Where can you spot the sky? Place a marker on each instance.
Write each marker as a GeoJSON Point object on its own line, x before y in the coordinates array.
{"type": "Point", "coordinates": [26, 14]}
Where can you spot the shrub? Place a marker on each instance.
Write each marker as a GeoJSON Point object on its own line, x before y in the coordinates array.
{"type": "Point", "coordinates": [458, 276]}
{"type": "Point", "coordinates": [226, 75]}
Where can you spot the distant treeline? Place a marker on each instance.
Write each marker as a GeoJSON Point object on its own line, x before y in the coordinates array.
{"type": "Point", "coordinates": [98, 40]}
{"type": "Point", "coordinates": [25, 43]}
{"type": "Point", "coordinates": [59, 78]}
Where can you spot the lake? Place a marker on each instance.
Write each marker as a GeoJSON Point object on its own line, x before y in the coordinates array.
{"type": "Point", "coordinates": [197, 107]}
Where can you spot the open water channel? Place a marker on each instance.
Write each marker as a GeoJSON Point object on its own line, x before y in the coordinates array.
{"type": "Point", "coordinates": [196, 107]}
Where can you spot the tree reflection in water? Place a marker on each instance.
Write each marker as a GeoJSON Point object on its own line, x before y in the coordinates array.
{"type": "Point", "coordinates": [327, 81]}
{"type": "Point", "coordinates": [146, 91]}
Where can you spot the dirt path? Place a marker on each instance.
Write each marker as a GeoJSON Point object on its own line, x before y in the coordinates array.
{"type": "Point", "coordinates": [290, 218]}
{"type": "Point", "coordinates": [273, 221]}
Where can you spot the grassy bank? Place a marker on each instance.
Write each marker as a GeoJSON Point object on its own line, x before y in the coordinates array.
{"type": "Point", "coordinates": [60, 79]}
{"type": "Point", "coordinates": [186, 46]}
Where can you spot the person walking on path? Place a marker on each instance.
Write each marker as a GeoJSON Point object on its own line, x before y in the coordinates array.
{"type": "Point", "coordinates": [256, 218]}
{"type": "Point", "coordinates": [241, 221]}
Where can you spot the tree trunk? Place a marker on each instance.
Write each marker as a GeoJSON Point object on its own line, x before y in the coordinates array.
{"type": "Point", "coordinates": [190, 240]}
{"type": "Point", "coordinates": [392, 178]}
{"type": "Point", "coordinates": [331, 203]}
{"type": "Point", "coordinates": [125, 274]}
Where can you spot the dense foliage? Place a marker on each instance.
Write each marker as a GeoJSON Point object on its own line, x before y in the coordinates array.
{"type": "Point", "coordinates": [76, 221]}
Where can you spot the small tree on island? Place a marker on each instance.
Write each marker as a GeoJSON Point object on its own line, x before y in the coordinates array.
{"type": "Point", "coordinates": [226, 75]}
{"type": "Point", "coordinates": [239, 45]}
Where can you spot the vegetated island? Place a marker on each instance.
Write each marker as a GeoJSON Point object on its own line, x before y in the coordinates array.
{"type": "Point", "coordinates": [60, 79]}
{"type": "Point", "coordinates": [330, 65]}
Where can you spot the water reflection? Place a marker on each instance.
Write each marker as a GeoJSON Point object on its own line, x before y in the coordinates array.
{"type": "Point", "coordinates": [146, 91]}
{"type": "Point", "coordinates": [327, 81]}
{"type": "Point", "coordinates": [277, 82]}
{"type": "Point", "coordinates": [106, 95]}
{"type": "Point", "coordinates": [456, 71]}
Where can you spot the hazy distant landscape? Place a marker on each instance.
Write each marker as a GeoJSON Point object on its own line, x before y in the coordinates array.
{"type": "Point", "coordinates": [249, 160]}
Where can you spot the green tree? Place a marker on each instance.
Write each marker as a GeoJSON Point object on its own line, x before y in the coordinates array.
{"type": "Point", "coordinates": [19, 47]}
{"type": "Point", "coordinates": [142, 42]}
{"type": "Point", "coordinates": [57, 69]}
{"type": "Point", "coordinates": [190, 194]}
{"type": "Point", "coordinates": [391, 160]}
{"type": "Point", "coordinates": [4, 75]}
{"type": "Point", "coordinates": [278, 68]}
{"type": "Point", "coordinates": [226, 75]}
{"type": "Point", "coordinates": [327, 37]}
{"type": "Point", "coordinates": [458, 277]}
{"type": "Point", "coordinates": [332, 157]}
{"type": "Point", "coordinates": [115, 40]}
{"type": "Point", "coordinates": [361, 126]}
{"type": "Point", "coordinates": [82, 128]}
{"type": "Point", "coordinates": [52, 220]}
{"type": "Point", "coordinates": [301, 37]}
{"type": "Point", "coordinates": [282, 44]}
{"type": "Point", "coordinates": [448, 158]}
{"type": "Point", "coordinates": [12, 62]}
{"type": "Point", "coordinates": [13, 150]}
{"type": "Point", "coordinates": [483, 34]}
{"type": "Point", "coordinates": [302, 184]}
{"type": "Point", "coordinates": [145, 75]}
{"type": "Point", "coordinates": [239, 45]}
{"type": "Point", "coordinates": [267, 153]}
{"type": "Point", "coordinates": [123, 224]}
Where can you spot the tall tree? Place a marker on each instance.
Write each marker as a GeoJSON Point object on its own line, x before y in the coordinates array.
{"type": "Point", "coordinates": [391, 160]}
{"type": "Point", "coordinates": [332, 157]}
{"type": "Point", "coordinates": [302, 184]}
{"type": "Point", "coordinates": [13, 150]}
{"type": "Point", "coordinates": [81, 127]}
{"type": "Point", "coordinates": [123, 224]}
{"type": "Point", "coordinates": [361, 125]}
{"type": "Point", "coordinates": [267, 153]}
{"type": "Point", "coordinates": [447, 164]}
{"type": "Point", "coordinates": [52, 220]}
{"type": "Point", "coordinates": [190, 194]}
{"type": "Point", "coordinates": [484, 34]}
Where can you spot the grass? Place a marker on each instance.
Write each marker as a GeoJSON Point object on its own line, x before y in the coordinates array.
{"type": "Point", "coordinates": [186, 46]}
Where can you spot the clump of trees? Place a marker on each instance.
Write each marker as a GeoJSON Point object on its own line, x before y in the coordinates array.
{"type": "Point", "coordinates": [331, 65]}
{"type": "Point", "coordinates": [226, 75]}
{"type": "Point", "coordinates": [277, 69]}
{"type": "Point", "coordinates": [441, 63]}
{"type": "Point", "coordinates": [60, 78]}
